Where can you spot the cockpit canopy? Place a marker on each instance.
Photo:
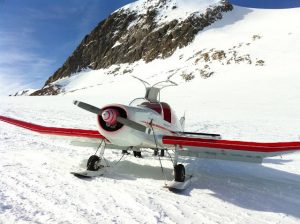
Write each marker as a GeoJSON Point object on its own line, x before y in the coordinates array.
{"type": "Point", "coordinates": [161, 108]}
{"type": "Point", "coordinates": [152, 99]}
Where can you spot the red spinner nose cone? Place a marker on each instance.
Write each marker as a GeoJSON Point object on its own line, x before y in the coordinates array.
{"type": "Point", "coordinates": [110, 116]}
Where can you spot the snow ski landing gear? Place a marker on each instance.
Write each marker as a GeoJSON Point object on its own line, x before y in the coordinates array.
{"type": "Point", "coordinates": [96, 165]}
{"type": "Point", "coordinates": [179, 173]}
{"type": "Point", "coordinates": [93, 163]}
{"type": "Point", "coordinates": [181, 180]}
{"type": "Point", "coordinates": [179, 186]}
{"type": "Point", "coordinates": [89, 174]}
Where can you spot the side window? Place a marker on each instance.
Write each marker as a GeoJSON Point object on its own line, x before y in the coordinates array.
{"type": "Point", "coordinates": [167, 112]}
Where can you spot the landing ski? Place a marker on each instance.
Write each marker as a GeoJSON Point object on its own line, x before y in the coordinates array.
{"type": "Point", "coordinates": [179, 186]}
{"type": "Point", "coordinates": [89, 173]}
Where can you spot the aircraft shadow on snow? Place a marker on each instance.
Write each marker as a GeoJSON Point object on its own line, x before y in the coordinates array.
{"type": "Point", "coordinates": [131, 171]}
{"type": "Point", "coordinates": [251, 186]}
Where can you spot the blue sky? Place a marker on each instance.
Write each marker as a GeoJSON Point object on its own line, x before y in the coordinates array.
{"type": "Point", "coordinates": [36, 36]}
{"type": "Point", "coordinates": [269, 4]}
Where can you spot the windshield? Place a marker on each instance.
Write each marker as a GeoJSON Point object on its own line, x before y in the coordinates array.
{"type": "Point", "coordinates": [138, 102]}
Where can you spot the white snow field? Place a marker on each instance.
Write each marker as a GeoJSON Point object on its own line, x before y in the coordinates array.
{"type": "Point", "coordinates": [240, 101]}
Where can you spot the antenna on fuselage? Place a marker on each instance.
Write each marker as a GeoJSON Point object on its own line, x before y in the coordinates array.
{"type": "Point", "coordinates": [153, 92]}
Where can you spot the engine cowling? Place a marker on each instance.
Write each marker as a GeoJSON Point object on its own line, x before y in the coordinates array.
{"type": "Point", "coordinates": [108, 119]}
{"type": "Point", "coordinates": [117, 133]}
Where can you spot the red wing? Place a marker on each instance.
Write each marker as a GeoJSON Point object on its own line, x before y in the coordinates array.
{"type": "Point", "coordinates": [230, 150]}
{"type": "Point", "coordinates": [53, 130]}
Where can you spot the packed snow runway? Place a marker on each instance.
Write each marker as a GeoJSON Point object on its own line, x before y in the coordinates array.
{"type": "Point", "coordinates": [36, 185]}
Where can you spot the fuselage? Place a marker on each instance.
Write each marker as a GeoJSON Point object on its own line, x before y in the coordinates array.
{"type": "Point", "coordinates": [157, 117]}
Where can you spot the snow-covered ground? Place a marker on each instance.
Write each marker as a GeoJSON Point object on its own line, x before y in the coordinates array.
{"type": "Point", "coordinates": [240, 101]}
{"type": "Point", "coordinates": [36, 185]}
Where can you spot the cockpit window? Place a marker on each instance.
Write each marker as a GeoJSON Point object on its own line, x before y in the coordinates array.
{"type": "Point", "coordinates": [159, 107]}
{"type": "Point", "coordinates": [153, 106]}
{"type": "Point", "coordinates": [137, 102]}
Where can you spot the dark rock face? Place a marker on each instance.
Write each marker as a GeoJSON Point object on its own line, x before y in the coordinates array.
{"type": "Point", "coordinates": [47, 90]}
{"type": "Point", "coordinates": [115, 40]}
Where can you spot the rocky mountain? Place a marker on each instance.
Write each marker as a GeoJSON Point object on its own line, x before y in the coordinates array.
{"type": "Point", "coordinates": [144, 30]}
{"type": "Point", "coordinates": [25, 92]}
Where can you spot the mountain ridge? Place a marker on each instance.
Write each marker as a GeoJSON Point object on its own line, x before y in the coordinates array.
{"type": "Point", "coordinates": [127, 36]}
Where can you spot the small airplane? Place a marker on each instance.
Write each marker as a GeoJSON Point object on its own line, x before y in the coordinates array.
{"type": "Point", "coordinates": [149, 123]}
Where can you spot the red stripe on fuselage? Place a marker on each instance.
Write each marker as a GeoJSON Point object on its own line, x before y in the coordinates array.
{"type": "Point", "coordinates": [158, 126]}
{"type": "Point", "coordinates": [232, 145]}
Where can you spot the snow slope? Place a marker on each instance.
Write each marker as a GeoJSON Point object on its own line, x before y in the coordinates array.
{"type": "Point", "coordinates": [240, 101]}
{"type": "Point", "coordinates": [174, 9]}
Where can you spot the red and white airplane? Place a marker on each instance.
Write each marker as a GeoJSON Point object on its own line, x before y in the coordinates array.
{"type": "Point", "coordinates": [149, 123]}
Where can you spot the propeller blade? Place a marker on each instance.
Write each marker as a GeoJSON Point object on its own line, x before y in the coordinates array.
{"type": "Point", "coordinates": [131, 124]}
{"type": "Point", "coordinates": [88, 107]}
{"type": "Point", "coordinates": [124, 121]}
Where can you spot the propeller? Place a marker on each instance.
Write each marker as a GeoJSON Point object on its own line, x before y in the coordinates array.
{"type": "Point", "coordinates": [88, 107]}
{"type": "Point", "coordinates": [103, 114]}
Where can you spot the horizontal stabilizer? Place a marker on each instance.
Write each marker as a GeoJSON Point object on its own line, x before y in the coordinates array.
{"type": "Point", "coordinates": [200, 135]}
